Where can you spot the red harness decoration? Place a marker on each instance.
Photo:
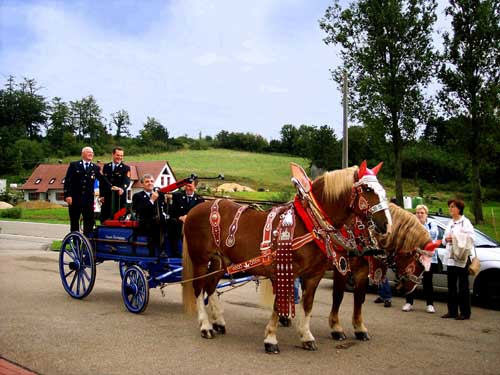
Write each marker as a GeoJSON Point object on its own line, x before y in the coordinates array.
{"type": "Point", "coordinates": [284, 265]}
{"type": "Point", "coordinates": [323, 238]}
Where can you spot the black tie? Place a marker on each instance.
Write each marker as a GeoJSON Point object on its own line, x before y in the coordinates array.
{"type": "Point", "coordinates": [86, 166]}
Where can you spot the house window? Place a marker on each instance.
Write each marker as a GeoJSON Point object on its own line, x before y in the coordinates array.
{"type": "Point", "coordinates": [162, 181]}
{"type": "Point", "coordinates": [52, 180]}
{"type": "Point", "coordinates": [37, 181]}
{"type": "Point", "coordinates": [34, 196]}
{"type": "Point", "coordinates": [59, 196]}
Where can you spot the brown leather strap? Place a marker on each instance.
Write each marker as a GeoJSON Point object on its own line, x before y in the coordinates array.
{"type": "Point", "coordinates": [230, 240]}
{"type": "Point", "coordinates": [265, 245]}
{"type": "Point", "coordinates": [215, 221]}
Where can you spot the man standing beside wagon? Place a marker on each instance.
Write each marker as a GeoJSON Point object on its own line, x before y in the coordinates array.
{"type": "Point", "coordinates": [79, 190]}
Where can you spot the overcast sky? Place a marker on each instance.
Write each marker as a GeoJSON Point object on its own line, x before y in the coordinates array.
{"type": "Point", "coordinates": [195, 65]}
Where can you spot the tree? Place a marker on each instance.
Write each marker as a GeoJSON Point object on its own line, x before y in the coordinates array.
{"type": "Point", "coordinates": [121, 121]}
{"type": "Point", "coordinates": [86, 119]}
{"type": "Point", "coordinates": [324, 150]}
{"type": "Point", "coordinates": [289, 137]}
{"type": "Point", "coordinates": [153, 131]}
{"type": "Point", "coordinates": [470, 75]}
{"type": "Point", "coordinates": [387, 50]}
{"type": "Point", "coordinates": [32, 108]}
{"type": "Point", "coordinates": [60, 124]}
{"type": "Point", "coordinates": [22, 110]}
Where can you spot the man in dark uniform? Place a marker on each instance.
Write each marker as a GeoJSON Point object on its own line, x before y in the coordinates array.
{"type": "Point", "coordinates": [118, 174]}
{"type": "Point", "coordinates": [79, 190]}
{"type": "Point", "coordinates": [182, 202]}
{"type": "Point", "coordinates": [149, 208]}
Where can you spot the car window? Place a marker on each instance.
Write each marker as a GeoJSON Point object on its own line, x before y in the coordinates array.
{"type": "Point", "coordinates": [480, 239]}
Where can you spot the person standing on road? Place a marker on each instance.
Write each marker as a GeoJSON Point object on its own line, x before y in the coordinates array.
{"type": "Point", "coordinates": [79, 190]}
{"type": "Point", "coordinates": [384, 288]}
{"type": "Point", "coordinates": [421, 212]}
{"type": "Point", "coordinates": [459, 233]}
{"type": "Point", "coordinates": [118, 174]}
{"type": "Point", "coordinates": [384, 293]}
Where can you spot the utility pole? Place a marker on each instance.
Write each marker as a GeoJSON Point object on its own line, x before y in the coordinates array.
{"type": "Point", "coordinates": [345, 138]}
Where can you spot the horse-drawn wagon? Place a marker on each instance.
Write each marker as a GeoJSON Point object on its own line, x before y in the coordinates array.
{"type": "Point", "coordinates": [122, 241]}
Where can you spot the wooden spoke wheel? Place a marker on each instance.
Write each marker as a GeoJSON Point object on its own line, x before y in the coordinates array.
{"type": "Point", "coordinates": [135, 289]}
{"type": "Point", "coordinates": [77, 265]}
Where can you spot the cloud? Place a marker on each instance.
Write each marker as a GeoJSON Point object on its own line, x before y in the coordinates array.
{"type": "Point", "coordinates": [210, 58]}
{"type": "Point", "coordinates": [194, 65]}
{"type": "Point", "coordinates": [273, 89]}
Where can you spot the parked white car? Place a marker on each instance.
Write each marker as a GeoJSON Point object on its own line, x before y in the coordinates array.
{"type": "Point", "coordinates": [485, 286]}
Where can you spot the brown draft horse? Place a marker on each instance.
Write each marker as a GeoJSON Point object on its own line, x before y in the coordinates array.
{"type": "Point", "coordinates": [333, 191]}
{"type": "Point", "coordinates": [408, 248]}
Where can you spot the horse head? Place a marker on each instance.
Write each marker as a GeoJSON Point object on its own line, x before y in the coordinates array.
{"type": "Point", "coordinates": [410, 265]}
{"type": "Point", "coordinates": [368, 199]}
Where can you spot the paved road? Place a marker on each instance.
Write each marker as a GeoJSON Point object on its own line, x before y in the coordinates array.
{"type": "Point", "coordinates": [43, 329]}
{"type": "Point", "coordinates": [18, 235]}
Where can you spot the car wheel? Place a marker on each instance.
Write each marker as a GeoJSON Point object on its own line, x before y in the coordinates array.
{"type": "Point", "coordinates": [487, 288]}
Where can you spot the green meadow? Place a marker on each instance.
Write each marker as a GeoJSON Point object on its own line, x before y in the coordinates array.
{"type": "Point", "coordinates": [269, 175]}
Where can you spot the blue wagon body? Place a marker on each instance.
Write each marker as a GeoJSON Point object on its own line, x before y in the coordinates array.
{"type": "Point", "coordinates": [141, 268]}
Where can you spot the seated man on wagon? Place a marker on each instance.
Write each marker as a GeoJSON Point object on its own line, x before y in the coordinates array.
{"type": "Point", "coordinates": [149, 207]}
{"type": "Point", "coordinates": [182, 202]}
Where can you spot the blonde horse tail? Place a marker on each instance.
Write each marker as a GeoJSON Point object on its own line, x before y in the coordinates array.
{"type": "Point", "coordinates": [266, 295]}
{"type": "Point", "coordinates": [188, 300]}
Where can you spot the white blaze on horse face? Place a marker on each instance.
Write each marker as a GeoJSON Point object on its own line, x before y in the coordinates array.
{"type": "Point", "coordinates": [372, 182]}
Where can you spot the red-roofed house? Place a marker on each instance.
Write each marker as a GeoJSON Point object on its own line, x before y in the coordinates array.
{"type": "Point", "coordinates": [47, 180]}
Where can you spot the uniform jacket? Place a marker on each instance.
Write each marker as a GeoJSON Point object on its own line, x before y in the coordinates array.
{"type": "Point", "coordinates": [79, 183]}
{"type": "Point", "coordinates": [145, 210]}
{"type": "Point", "coordinates": [120, 177]}
{"type": "Point", "coordinates": [180, 205]}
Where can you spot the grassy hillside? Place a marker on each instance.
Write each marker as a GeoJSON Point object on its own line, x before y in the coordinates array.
{"type": "Point", "coordinates": [271, 173]}
{"type": "Point", "coordinates": [257, 171]}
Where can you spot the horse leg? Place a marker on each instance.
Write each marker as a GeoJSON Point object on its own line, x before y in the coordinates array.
{"type": "Point", "coordinates": [336, 329]}
{"type": "Point", "coordinates": [206, 328]}
{"type": "Point", "coordinates": [216, 314]}
{"type": "Point", "coordinates": [360, 285]}
{"type": "Point", "coordinates": [303, 327]}
{"type": "Point", "coordinates": [215, 310]}
{"type": "Point", "coordinates": [270, 339]}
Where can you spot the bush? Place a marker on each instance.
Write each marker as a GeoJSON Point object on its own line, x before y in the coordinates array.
{"type": "Point", "coordinates": [12, 213]}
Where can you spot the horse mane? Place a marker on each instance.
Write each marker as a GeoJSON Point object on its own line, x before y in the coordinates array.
{"type": "Point", "coordinates": [407, 233]}
{"type": "Point", "coordinates": [337, 183]}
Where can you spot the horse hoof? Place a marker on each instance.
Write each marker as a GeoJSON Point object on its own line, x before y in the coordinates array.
{"type": "Point", "coordinates": [339, 336]}
{"type": "Point", "coordinates": [207, 333]}
{"type": "Point", "coordinates": [362, 336]}
{"type": "Point", "coordinates": [272, 348]}
{"type": "Point", "coordinates": [285, 321]}
{"type": "Point", "coordinates": [220, 329]}
{"type": "Point", "coordinates": [309, 345]}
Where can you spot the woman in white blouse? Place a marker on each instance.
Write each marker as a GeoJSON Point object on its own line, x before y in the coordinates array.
{"type": "Point", "coordinates": [461, 231]}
